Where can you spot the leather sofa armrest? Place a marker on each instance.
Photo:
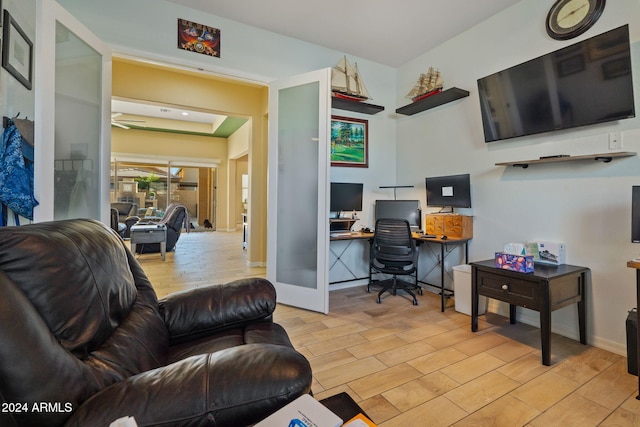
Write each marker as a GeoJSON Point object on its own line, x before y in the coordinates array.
{"type": "Point", "coordinates": [202, 311]}
{"type": "Point", "coordinates": [230, 388]}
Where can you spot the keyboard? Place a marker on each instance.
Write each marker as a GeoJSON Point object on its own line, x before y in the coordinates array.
{"type": "Point", "coordinates": [342, 233]}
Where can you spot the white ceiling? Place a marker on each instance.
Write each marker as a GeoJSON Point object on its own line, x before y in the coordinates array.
{"type": "Point", "coordinates": [120, 107]}
{"type": "Point", "coordinates": [385, 31]}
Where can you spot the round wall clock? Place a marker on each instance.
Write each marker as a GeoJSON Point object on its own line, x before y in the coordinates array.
{"type": "Point", "coordinates": [570, 18]}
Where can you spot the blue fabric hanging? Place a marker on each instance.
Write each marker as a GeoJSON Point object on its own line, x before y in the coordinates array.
{"type": "Point", "coordinates": [16, 176]}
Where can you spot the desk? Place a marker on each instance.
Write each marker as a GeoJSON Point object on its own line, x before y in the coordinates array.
{"type": "Point", "coordinates": [636, 264]}
{"type": "Point", "coordinates": [545, 290]}
{"type": "Point", "coordinates": [340, 252]}
{"type": "Point", "coordinates": [155, 233]}
{"type": "Point", "coordinates": [443, 243]}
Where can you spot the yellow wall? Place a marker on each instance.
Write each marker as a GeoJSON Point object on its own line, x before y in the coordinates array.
{"type": "Point", "coordinates": [159, 84]}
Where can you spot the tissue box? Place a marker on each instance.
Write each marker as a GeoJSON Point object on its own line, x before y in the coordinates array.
{"type": "Point", "coordinates": [546, 252]}
{"type": "Point", "coordinates": [521, 263]}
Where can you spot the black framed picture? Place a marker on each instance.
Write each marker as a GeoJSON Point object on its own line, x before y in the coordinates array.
{"type": "Point", "coordinates": [17, 51]}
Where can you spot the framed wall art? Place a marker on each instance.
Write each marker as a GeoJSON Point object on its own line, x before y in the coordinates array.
{"type": "Point", "coordinates": [17, 51]}
{"type": "Point", "coordinates": [198, 38]}
{"type": "Point", "coordinates": [349, 142]}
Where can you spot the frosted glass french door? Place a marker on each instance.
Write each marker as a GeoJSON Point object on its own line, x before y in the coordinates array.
{"type": "Point", "coordinates": [298, 222]}
{"type": "Point", "coordinates": [73, 81]}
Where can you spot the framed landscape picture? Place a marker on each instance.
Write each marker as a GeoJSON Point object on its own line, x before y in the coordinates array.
{"type": "Point", "coordinates": [349, 142]}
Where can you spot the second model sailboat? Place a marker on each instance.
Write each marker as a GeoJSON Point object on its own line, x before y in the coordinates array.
{"type": "Point", "coordinates": [427, 85]}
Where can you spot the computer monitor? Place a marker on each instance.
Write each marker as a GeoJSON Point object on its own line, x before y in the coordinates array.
{"type": "Point", "coordinates": [635, 214]}
{"type": "Point", "coordinates": [400, 209]}
{"type": "Point", "coordinates": [345, 196]}
{"type": "Point", "coordinates": [448, 192]}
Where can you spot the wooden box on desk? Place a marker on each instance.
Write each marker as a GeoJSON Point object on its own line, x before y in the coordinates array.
{"type": "Point", "coordinates": [450, 225]}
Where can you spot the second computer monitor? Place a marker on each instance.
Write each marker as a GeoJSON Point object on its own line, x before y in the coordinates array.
{"type": "Point", "coordinates": [400, 209]}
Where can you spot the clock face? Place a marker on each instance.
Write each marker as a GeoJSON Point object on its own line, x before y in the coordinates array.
{"type": "Point", "coordinates": [570, 18]}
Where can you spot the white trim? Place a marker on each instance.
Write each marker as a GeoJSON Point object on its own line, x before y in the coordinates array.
{"type": "Point", "coordinates": [195, 162]}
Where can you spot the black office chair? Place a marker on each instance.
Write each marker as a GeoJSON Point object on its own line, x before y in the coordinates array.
{"type": "Point", "coordinates": [394, 252]}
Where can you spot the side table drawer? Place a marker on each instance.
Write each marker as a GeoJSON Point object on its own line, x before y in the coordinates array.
{"type": "Point", "coordinates": [519, 292]}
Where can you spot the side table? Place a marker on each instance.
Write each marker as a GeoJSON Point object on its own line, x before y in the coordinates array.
{"type": "Point", "coordinates": [153, 233]}
{"type": "Point", "coordinates": [547, 289]}
{"type": "Point", "coordinates": [636, 265]}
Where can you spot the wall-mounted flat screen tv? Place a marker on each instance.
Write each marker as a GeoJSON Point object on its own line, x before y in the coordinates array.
{"type": "Point", "coordinates": [448, 192]}
{"type": "Point", "coordinates": [586, 83]}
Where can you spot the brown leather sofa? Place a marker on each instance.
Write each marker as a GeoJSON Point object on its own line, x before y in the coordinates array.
{"type": "Point", "coordinates": [84, 339]}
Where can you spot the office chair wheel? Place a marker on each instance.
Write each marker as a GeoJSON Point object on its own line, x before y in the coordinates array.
{"type": "Point", "coordinates": [415, 301]}
{"type": "Point", "coordinates": [379, 300]}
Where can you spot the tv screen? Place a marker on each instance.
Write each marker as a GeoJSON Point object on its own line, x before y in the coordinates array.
{"type": "Point", "coordinates": [400, 209]}
{"type": "Point", "coordinates": [345, 196]}
{"type": "Point", "coordinates": [586, 83]}
{"type": "Point", "coordinates": [452, 191]}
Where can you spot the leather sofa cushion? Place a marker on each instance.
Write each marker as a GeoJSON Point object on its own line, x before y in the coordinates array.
{"type": "Point", "coordinates": [255, 333]}
{"type": "Point", "coordinates": [81, 286]}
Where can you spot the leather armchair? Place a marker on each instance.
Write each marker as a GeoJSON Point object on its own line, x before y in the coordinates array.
{"type": "Point", "coordinates": [176, 217]}
{"type": "Point", "coordinates": [129, 212]}
{"type": "Point", "coordinates": [83, 332]}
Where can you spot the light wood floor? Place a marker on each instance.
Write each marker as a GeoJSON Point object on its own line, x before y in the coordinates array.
{"type": "Point", "coordinates": [416, 366]}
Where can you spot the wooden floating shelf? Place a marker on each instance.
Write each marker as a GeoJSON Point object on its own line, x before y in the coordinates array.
{"type": "Point", "coordinates": [604, 157]}
{"type": "Point", "coordinates": [433, 101]}
{"type": "Point", "coordinates": [358, 107]}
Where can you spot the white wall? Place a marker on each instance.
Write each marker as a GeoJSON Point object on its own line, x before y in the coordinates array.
{"type": "Point", "coordinates": [14, 97]}
{"type": "Point", "coordinates": [249, 53]}
{"type": "Point", "coordinates": [585, 205]}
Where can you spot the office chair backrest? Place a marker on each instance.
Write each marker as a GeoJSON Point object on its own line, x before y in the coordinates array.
{"type": "Point", "coordinates": [392, 240]}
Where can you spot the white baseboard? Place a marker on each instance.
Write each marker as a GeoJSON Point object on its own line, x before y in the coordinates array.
{"type": "Point", "coordinates": [346, 285]}
{"type": "Point", "coordinates": [532, 318]}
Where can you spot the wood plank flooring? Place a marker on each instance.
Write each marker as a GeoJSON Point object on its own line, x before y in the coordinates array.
{"type": "Point", "coordinates": [416, 366]}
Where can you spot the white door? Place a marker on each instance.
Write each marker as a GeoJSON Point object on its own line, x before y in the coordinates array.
{"type": "Point", "coordinates": [298, 211]}
{"type": "Point", "coordinates": [73, 91]}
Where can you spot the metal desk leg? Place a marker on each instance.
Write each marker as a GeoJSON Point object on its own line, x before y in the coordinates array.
{"type": "Point", "coordinates": [442, 277]}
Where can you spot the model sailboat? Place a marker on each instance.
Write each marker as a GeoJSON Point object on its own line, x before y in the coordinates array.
{"type": "Point", "coordinates": [346, 82]}
{"type": "Point", "coordinates": [427, 85]}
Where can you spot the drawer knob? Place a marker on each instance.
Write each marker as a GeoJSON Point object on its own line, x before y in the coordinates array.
{"type": "Point", "coordinates": [505, 287]}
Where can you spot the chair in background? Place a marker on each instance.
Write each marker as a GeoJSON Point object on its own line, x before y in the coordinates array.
{"type": "Point", "coordinates": [116, 225]}
{"type": "Point", "coordinates": [176, 217]}
{"type": "Point", "coordinates": [393, 252]}
{"type": "Point", "coordinates": [128, 212]}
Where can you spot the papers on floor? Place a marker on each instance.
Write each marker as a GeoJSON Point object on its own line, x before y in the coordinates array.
{"type": "Point", "coordinates": [305, 411]}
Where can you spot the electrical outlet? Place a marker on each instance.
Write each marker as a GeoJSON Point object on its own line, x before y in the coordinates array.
{"type": "Point", "coordinates": [615, 140]}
